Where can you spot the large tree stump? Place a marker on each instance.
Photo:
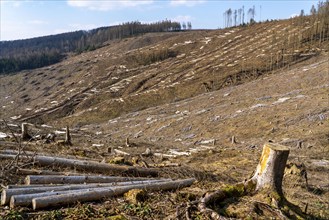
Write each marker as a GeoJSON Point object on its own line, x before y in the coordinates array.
{"type": "Point", "coordinates": [270, 170]}
{"type": "Point", "coordinates": [267, 178]}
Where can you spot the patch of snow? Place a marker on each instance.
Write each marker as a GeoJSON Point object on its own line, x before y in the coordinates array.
{"type": "Point", "coordinates": [97, 145]}
{"type": "Point", "coordinates": [98, 133]}
{"type": "Point", "coordinates": [178, 153]}
{"type": "Point", "coordinates": [300, 96]}
{"type": "Point", "coordinates": [46, 126]}
{"type": "Point", "coordinates": [3, 135]}
{"type": "Point", "coordinates": [12, 125]}
{"type": "Point", "coordinates": [59, 132]}
{"type": "Point", "coordinates": [281, 100]}
{"type": "Point", "coordinates": [188, 42]}
{"type": "Point", "coordinates": [16, 117]}
{"type": "Point", "coordinates": [4, 106]}
{"type": "Point", "coordinates": [28, 109]}
{"type": "Point", "coordinates": [257, 106]}
{"type": "Point", "coordinates": [7, 97]}
{"type": "Point", "coordinates": [113, 121]}
{"type": "Point", "coordinates": [201, 47]}
{"type": "Point", "coordinates": [53, 102]}
{"type": "Point", "coordinates": [209, 141]}
{"type": "Point", "coordinates": [239, 111]}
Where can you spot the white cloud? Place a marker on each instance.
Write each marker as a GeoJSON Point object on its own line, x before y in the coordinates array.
{"type": "Point", "coordinates": [189, 3]}
{"type": "Point", "coordinates": [182, 18]}
{"type": "Point", "coordinates": [107, 5]}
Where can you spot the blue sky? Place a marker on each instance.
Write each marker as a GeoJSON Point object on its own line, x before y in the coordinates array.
{"type": "Point", "coordinates": [21, 19]}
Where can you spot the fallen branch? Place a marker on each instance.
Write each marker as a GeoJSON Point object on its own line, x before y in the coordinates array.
{"type": "Point", "coordinates": [98, 194]}
{"type": "Point", "coordinates": [88, 165]}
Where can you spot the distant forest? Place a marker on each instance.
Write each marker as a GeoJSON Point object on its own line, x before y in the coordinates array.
{"type": "Point", "coordinates": [43, 51]}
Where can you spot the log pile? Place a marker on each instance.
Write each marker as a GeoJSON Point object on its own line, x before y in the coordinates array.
{"type": "Point", "coordinates": [44, 191]}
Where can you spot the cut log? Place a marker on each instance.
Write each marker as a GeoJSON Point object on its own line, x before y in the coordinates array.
{"type": "Point", "coordinates": [26, 199]}
{"type": "Point", "coordinates": [44, 172]}
{"type": "Point", "coordinates": [55, 179]}
{"type": "Point", "coordinates": [98, 194]}
{"type": "Point", "coordinates": [7, 193]}
{"type": "Point", "coordinates": [270, 169]}
{"type": "Point", "coordinates": [88, 165]}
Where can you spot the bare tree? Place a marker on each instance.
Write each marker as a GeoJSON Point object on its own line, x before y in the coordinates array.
{"type": "Point", "coordinates": [229, 17]}
{"type": "Point", "coordinates": [235, 14]}
{"type": "Point", "coordinates": [240, 14]}
{"type": "Point", "coordinates": [243, 14]}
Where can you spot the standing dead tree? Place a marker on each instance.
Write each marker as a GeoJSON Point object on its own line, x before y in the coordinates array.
{"type": "Point", "coordinates": [67, 136]}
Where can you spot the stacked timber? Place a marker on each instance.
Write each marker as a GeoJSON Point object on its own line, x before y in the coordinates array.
{"type": "Point", "coordinates": [50, 190]}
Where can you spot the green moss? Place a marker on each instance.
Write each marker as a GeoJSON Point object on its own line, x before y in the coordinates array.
{"type": "Point", "coordinates": [234, 190]}
{"type": "Point", "coordinates": [117, 217]}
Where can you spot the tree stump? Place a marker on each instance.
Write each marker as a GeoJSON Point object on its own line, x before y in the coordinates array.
{"type": "Point", "coordinates": [267, 178]}
{"type": "Point", "coordinates": [25, 135]}
{"type": "Point", "coordinates": [270, 170]}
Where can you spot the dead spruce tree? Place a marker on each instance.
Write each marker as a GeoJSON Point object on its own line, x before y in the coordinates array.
{"type": "Point", "coordinates": [266, 183]}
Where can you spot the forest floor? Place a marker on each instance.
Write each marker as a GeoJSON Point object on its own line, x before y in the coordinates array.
{"type": "Point", "coordinates": [290, 107]}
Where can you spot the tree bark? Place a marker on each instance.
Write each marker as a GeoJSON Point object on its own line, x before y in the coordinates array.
{"type": "Point", "coordinates": [43, 172]}
{"type": "Point", "coordinates": [55, 179]}
{"type": "Point", "coordinates": [7, 193]}
{"type": "Point", "coordinates": [270, 169]}
{"type": "Point", "coordinates": [268, 175]}
{"type": "Point", "coordinates": [26, 199]}
{"type": "Point", "coordinates": [98, 194]}
{"type": "Point", "coordinates": [88, 165]}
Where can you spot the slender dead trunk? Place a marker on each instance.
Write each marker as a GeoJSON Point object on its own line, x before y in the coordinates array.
{"type": "Point", "coordinates": [67, 136]}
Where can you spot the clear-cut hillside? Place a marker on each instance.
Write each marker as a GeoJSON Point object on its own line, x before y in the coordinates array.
{"type": "Point", "coordinates": [145, 71]}
{"type": "Point", "coordinates": [184, 95]}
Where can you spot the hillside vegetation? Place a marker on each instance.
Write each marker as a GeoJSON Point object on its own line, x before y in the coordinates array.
{"type": "Point", "coordinates": [185, 94]}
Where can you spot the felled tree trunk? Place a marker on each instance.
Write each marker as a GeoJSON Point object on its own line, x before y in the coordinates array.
{"type": "Point", "coordinates": [88, 165]}
{"type": "Point", "coordinates": [268, 176]}
{"type": "Point", "coordinates": [96, 194]}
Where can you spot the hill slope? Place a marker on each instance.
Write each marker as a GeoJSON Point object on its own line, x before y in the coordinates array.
{"type": "Point", "coordinates": [188, 93]}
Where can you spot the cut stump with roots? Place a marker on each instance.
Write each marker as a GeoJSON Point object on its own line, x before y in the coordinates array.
{"type": "Point", "coordinates": [267, 178]}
